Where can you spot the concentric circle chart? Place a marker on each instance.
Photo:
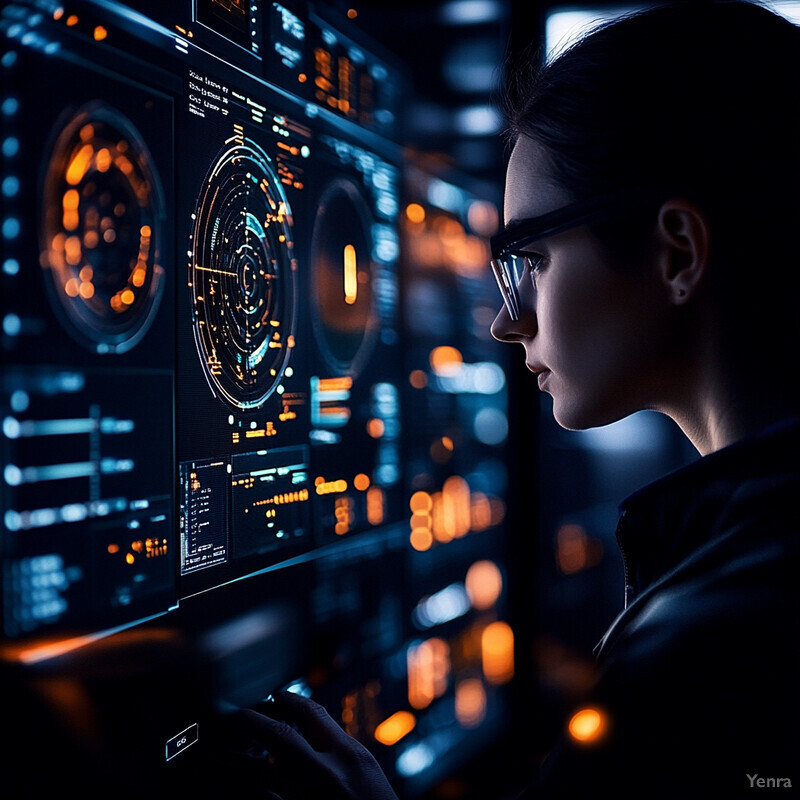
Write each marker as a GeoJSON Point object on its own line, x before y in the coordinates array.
{"type": "Point", "coordinates": [242, 275]}
{"type": "Point", "coordinates": [100, 230]}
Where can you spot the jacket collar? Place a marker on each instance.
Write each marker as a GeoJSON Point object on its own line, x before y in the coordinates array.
{"type": "Point", "coordinates": [663, 523]}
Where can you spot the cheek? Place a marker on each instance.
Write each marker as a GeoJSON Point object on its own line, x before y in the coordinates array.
{"type": "Point", "coordinates": [595, 339]}
{"type": "Point", "coordinates": [576, 323]}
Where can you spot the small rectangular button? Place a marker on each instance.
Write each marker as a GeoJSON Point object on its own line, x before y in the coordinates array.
{"type": "Point", "coordinates": [186, 738]}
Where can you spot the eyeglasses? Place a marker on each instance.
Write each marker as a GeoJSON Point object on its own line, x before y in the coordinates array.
{"type": "Point", "coordinates": [509, 259]}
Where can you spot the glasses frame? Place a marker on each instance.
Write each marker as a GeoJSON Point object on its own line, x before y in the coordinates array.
{"type": "Point", "coordinates": [510, 241]}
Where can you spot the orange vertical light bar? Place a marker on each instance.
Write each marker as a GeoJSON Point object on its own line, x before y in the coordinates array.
{"type": "Point", "coordinates": [375, 504]}
{"type": "Point", "coordinates": [497, 652]}
{"type": "Point", "coordinates": [420, 676]}
{"type": "Point", "coordinates": [350, 275]}
{"type": "Point", "coordinates": [470, 703]}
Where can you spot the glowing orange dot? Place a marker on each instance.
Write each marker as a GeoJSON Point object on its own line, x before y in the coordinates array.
{"type": "Point", "coordinates": [361, 482]}
{"type": "Point", "coordinates": [302, 77]}
{"type": "Point", "coordinates": [445, 360]}
{"type": "Point", "coordinates": [129, 558]}
{"type": "Point", "coordinates": [113, 548]}
{"type": "Point", "coordinates": [484, 584]}
{"type": "Point", "coordinates": [587, 725]}
{"type": "Point", "coordinates": [351, 13]}
{"type": "Point", "coordinates": [87, 290]}
{"type": "Point", "coordinates": [100, 33]}
{"type": "Point", "coordinates": [145, 231]}
{"type": "Point", "coordinates": [415, 212]}
{"type": "Point", "coordinates": [421, 539]}
{"type": "Point", "coordinates": [103, 159]}
{"type": "Point", "coordinates": [420, 501]}
{"type": "Point", "coordinates": [58, 13]}
{"type": "Point", "coordinates": [72, 287]}
{"type": "Point", "coordinates": [127, 297]}
{"type": "Point", "coordinates": [418, 379]}
{"type": "Point", "coordinates": [375, 428]}
{"type": "Point", "coordinates": [71, 200]}
{"type": "Point", "coordinates": [72, 19]}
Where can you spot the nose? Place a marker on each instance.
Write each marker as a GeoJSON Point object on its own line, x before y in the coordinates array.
{"type": "Point", "coordinates": [505, 329]}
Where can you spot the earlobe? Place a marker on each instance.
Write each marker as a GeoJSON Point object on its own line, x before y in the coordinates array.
{"type": "Point", "coordinates": [685, 238]}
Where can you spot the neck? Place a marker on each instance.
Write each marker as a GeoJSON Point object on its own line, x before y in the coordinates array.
{"type": "Point", "coordinates": [726, 411]}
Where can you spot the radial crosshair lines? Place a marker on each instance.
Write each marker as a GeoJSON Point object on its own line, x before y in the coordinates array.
{"type": "Point", "coordinates": [242, 275]}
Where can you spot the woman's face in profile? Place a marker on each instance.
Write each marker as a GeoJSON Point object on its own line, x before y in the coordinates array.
{"type": "Point", "coordinates": [596, 335]}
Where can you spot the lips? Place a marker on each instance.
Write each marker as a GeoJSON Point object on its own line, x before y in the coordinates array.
{"type": "Point", "coordinates": [542, 373]}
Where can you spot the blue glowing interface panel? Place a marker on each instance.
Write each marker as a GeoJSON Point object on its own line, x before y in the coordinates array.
{"type": "Point", "coordinates": [200, 324]}
{"type": "Point", "coordinates": [253, 425]}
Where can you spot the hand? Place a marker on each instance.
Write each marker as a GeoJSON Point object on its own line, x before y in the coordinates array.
{"type": "Point", "coordinates": [310, 757]}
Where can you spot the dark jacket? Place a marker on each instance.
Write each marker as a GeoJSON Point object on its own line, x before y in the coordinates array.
{"type": "Point", "coordinates": [698, 676]}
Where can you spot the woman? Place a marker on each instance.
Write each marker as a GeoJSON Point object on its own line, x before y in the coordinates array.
{"type": "Point", "coordinates": [649, 261]}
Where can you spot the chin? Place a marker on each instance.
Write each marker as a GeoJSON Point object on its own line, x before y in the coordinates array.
{"type": "Point", "coordinates": [580, 417]}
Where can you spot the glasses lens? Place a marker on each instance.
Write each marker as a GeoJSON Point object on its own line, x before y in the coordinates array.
{"type": "Point", "coordinates": [508, 270]}
{"type": "Point", "coordinates": [506, 286]}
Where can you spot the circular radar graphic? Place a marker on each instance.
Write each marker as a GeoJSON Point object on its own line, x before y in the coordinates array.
{"type": "Point", "coordinates": [242, 275]}
{"type": "Point", "coordinates": [100, 229]}
{"type": "Point", "coordinates": [341, 263]}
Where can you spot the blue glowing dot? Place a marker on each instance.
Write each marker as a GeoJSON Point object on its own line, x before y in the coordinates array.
{"type": "Point", "coordinates": [11, 266]}
{"type": "Point", "coordinates": [10, 106]}
{"type": "Point", "coordinates": [20, 401]}
{"type": "Point", "coordinates": [8, 59]}
{"type": "Point", "coordinates": [12, 475]}
{"type": "Point", "coordinates": [11, 428]}
{"type": "Point", "coordinates": [12, 325]}
{"type": "Point", "coordinates": [10, 228]}
{"type": "Point", "coordinates": [305, 151]}
{"type": "Point", "coordinates": [10, 186]}
{"type": "Point", "coordinates": [10, 146]}
{"type": "Point", "coordinates": [13, 520]}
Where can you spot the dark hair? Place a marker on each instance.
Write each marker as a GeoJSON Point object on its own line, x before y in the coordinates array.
{"type": "Point", "coordinates": [701, 99]}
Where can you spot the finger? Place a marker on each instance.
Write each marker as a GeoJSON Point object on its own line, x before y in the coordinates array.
{"type": "Point", "coordinates": [313, 721]}
{"type": "Point", "coordinates": [277, 736]}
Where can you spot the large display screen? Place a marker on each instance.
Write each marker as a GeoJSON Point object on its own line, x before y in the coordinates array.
{"type": "Point", "coordinates": [241, 419]}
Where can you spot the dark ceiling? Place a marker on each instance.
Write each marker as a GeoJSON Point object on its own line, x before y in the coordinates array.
{"type": "Point", "coordinates": [453, 71]}
{"type": "Point", "coordinates": [452, 54]}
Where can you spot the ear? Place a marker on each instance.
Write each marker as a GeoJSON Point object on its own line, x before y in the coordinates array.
{"type": "Point", "coordinates": [684, 235]}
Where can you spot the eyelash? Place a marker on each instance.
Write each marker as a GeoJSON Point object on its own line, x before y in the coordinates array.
{"type": "Point", "coordinates": [536, 264]}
